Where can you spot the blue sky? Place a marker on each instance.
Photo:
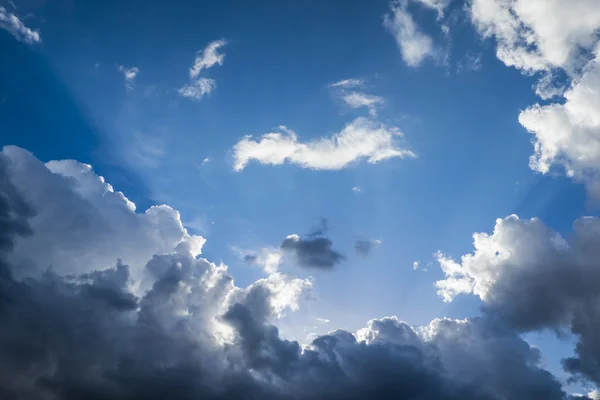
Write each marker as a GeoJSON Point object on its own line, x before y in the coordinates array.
{"type": "Point", "coordinates": [67, 96]}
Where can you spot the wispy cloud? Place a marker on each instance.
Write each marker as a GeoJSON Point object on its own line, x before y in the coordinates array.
{"type": "Point", "coordinates": [198, 87]}
{"type": "Point", "coordinates": [357, 189]}
{"type": "Point", "coordinates": [208, 57]}
{"type": "Point", "coordinates": [414, 45]}
{"type": "Point", "coordinates": [13, 25]}
{"type": "Point", "coordinates": [358, 100]}
{"type": "Point", "coordinates": [347, 83]}
{"type": "Point", "coordinates": [362, 138]}
{"type": "Point", "coordinates": [129, 74]}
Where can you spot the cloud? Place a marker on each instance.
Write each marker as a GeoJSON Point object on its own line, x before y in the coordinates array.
{"type": "Point", "coordinates": [83, 329]}
{"type": "Point", "coordinates": [130, 74]}
{"type": "Point", "coordinates": [208, 58]}
{"type": "Point", "coordinates": [82, 224]}
{"type": "Point", "coordinates": [358, 100]}
{"type": "Point", "coordinates": [567, 134]}
{"type": "Point", "coordinates": [537, 35]}
{"type": "Point", "coordinates": [364, 247]}
{"type": "Point", "coordinates": [416, 265]}
{"type": "Point", "coordinates": [13, 25]}
{"type": "Point", "coordinates": [533, 278]}
{"type": "Point", "coordinates": [312, 252]}
{"type": "Point", "coordinates": [347, 83]}
{"type": "Point", "coordinates": [198, 87]}
{"type": "Point", "coordinates": [356, 189]}
{"type": "Point", "coordinates": [362, 138]}
{"type": "Point", "coordinates": [559, 41]}
{"type": "Point", "coordinates": [414, 45]}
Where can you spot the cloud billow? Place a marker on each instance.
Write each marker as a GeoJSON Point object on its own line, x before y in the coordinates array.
{"type": "Point", "coordinates": [176, 326]}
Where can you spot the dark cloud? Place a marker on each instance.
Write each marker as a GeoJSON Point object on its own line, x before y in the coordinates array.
{"type": "Point", "coordinates": [194, 335]}
{"type": "Point", "coordinates": [250, 258]}
{"type": "Point", "coordinates": [312, 252]}
{"type": "Point", "coordinates": [532, 279]}
{"type": "Point", "coordinates": [363, 247]}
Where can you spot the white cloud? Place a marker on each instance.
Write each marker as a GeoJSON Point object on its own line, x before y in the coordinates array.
{"type": "Point", "coordinates": [13, 25]}
{"type": "Point", "coordinates": [362, 138]}
{"type": "Point", "coordinates": [198, 89]}
{"type": "Point", "coordinates": [416, 265]}
{"type": "Point", "coordinates": [208, 57]}
{"type": "Point", "coordinates": [347, 83]}
{"type": "Point", "coordinates": [129, 74]}
{"type": "Point", "coordinates": [554, 38]}
{"type": "Point", "coordinates": [537, 35]}
{"type": "Point", "coordinates": [83, 224]}
{"type": "Point", "coordinates": [356, 189]}
{"type": "Point", "coordinates": [414, 45]}
{"type": "Point", "coordinates": [568, 133]}
{"type": "Point", "coordinates": [323, 320]}
{"type": "Point", "coordinates": [357, 100]}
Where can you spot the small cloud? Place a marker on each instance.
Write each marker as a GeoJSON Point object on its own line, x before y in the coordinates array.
{"type": "Point", "coordinates": [358, 100]}
{"type": "Point", "coordinates": [198, 87]}
{"type": "Point", "coordinates": [312, 252]}
{"type": "Point", "coordinates": [323, 320]}
{"type": "Point", "coordinates": [364, 247]}
{"type": "Point", "coordinates": [414, 45]}
{"type": "Point", "coordinates": [130, 74]}
{"type": "Point", "coordinates": [208, 57]}
{"type": "Point", "coordinates": [347, 83]}
{"type": "Point", "coordinates": [205, 161]}
{"type": "Point", "coordinates": [471, 62]}
{"type": "Point", "coordinates": [13, 25]}
{"type": "Point", "coordinates": [12, 4]}
{"type": "Point", "coordinates": [356, 189]}
{"type": "Point", "coordinates": [416, 265]}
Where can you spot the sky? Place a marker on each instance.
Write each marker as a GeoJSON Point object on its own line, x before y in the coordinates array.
{"type": "Point", "coordinates": [309, 199]}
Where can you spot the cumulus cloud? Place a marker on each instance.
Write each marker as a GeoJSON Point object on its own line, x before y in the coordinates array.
{"type": "Point", "coordinates": [362, 138]}
{"type": "Point", "coordinates": [13, 25]}
{"type": "Point", "coordinates": [533, 278]}
{"type": "Point", "coordinates": [364, 247]}
{"type": "Point", "coordinates": [82, 224]}
{"type": "Point", "coordinates": [84, 331]}
{"type": "Point", "coordinates": [199, 86]}
{"type": "Point", "coordinates": [129, 74]}
{"type": "Point", "coordinates": [559, 41]}
{"type": "Point", "coordinates": [567, 134]}
{"type": "Point", "coordinates": [415, 46]}
{"type": "Point", "coordinates": [538, 35]}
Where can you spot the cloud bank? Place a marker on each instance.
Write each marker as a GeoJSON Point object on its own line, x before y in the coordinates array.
{"type": "Point", "coordinates": [87, 328]}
